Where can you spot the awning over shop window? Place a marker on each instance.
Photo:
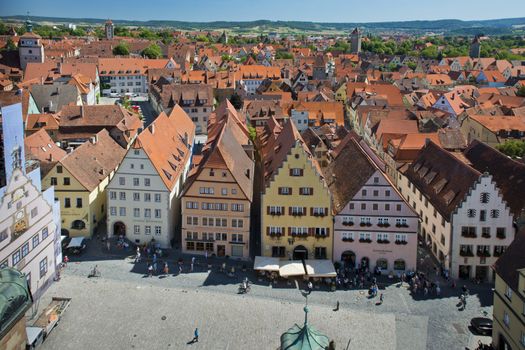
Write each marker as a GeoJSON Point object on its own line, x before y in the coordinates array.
{"type": "Point", "coordinates": [289, 268]}
{"type": "Point", "coordinates": [320, 268]}
{"type": "Point", "coordinates": [264, 263]}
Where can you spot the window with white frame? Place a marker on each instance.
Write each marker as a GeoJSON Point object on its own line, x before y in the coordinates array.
{"type": "Point", "coordinates": [321, 231]}
{"type": "Point", "coordinates": [401, 222]}
{"type": "Point", "coordinates": [136, 196]}
{"type": "Point", "coordinates": [508, 292]}
{"type": "Point", "coordinates": [136, 181]}
{"type": "Point", "coordinates": [158, 230]}
{"type": "Point", "coordinates": [348, 220]}
{"type": "Point", "coordinates": [401, 237]}
{"type": "Point", "coordinates": [147, 197]}
{"type": "Point", "coordinates": [347, 235]}
{"type": "Point", "coordinates": [147, 213]}
{"type": "Point", "coordinates": [382, 236]}
{"type": "Point", "coordinates": [136, 229]}
{"type": "Point", "coordinates": [276, 230]}
{"type": "Point", "coordinates": [122, 181]}
{"type": "Point", "coordinates": [318, 211]}
{"type": "Point", "coordinates": [122, 196]}
{"type": "Point", "coordinates": [506, 319]}
{"type": "Point", "coordinates": [36, 240]}
{"type": "Point", "coordinates": [147, 182]}
{"type": "Point", "coordinates": [147, 230]}
{"type": "Point", "coordinates": [237, 207]}
{"type": "Point", "coordinates": [136, 212]}
{"type": "Point", "coordinates": [157, 197]}
{"type": "Point", "coordinates": [206, 190]}
{"type": "Point", "coordinates": [113, 211]}
{"type": "Point", "coordinates": [365, 236]}
{"type": "Point", "coordinates": [43, 267]}
{"type": "Point", "coordinates": [45, 233]}
{"type": "Point", "coordinates": [157, 213]}
{"type": "Point", "coordinates": [382, 221]}
{"type": "Point", "coordinates": [113, 195]}
{"type": "Point", "coordinates": [297, 210]}
{"type": "Point", "coordinates": [366, 220]}
{"type": "Point", "coordinates": [299, 230]}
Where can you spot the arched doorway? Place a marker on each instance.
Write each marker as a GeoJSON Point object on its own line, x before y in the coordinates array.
{"type": "Point", "coordinates": [399, 265]}
{"type": "Point", "coordinates": [300, 253]}
{"type": "Point", "coordinates": [365, 262]}
{"type": "Point", "coordinates": [119, 228]}
{"type": "Point", "coordinates": [348, 258]}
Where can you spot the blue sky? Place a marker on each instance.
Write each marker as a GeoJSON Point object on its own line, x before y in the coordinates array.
{"type": "Point", "coordinates": [247, 10]}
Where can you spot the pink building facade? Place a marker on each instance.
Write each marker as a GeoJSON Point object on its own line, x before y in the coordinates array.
{"type": "Point", "coordinates": [373, 225]}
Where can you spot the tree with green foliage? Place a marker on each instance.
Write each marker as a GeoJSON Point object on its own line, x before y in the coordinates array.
{"type": "Point", "coordinates": [10, 46]}
{"type": "Point", "coordinates": [121, 49]}
{"type": "Point", "coordinates": [521, 91]}
{"type": "Point", "coordinates": [252, 133]}
{"type": "Point", "coordinates": [146, 33]}
{"type": "Point", "coordinates": [512, 148]}
{"type": "Point", "coordinates": [152, 51]}
{"type": "Point", "coordinates": [283, 55]}
{"type": "Point", "coordinates": [202, 38]}
{"type": "Point", "coordinates": [236, 100]}
{"type": "Point", "coordinates": [122, 31]}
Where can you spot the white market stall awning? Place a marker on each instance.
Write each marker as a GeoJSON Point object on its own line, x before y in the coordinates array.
{"type": "Point", "coordinates": [289, 268]}
{"type": "Point", "coordinates": [320, 268]}
{"type": "Point", "coordinates": [266, 263]}
{"type": "Point", "coordinates": [75, 242]}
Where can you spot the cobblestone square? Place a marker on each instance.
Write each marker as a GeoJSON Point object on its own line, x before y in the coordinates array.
{"type": "Point", "coordinates": [125, 309]}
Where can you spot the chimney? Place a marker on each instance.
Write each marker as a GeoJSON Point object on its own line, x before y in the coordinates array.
{"type": "Point", "coordinates": [94, 139]}
{"type": "Point", "coordinates": [151, 128]}
{"type": "Point", "coordinates": [82, 112]}
{"type": "Point", "coordinates": [60, 66]}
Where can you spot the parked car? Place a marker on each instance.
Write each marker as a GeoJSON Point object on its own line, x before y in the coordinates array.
{"type": "Point", "coordinates": [114, 94]}
{"type": "Point", "coordinates": [482, 325]}
{"type": "Point", "coordinates": [76, 245]}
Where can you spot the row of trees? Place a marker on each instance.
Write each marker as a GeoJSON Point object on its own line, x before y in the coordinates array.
{"type": "Point", "coordinates": [152, 51]}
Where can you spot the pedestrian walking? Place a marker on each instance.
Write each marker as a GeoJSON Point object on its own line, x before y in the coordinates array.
{"type": "Point", "coordinates": [137, 257]}
{"type": "Point", "coordinates": [166, 268]}
{"type": "Point", "coordinates": [196, 335]}
{"type": "Point", "coordinates": [438, 290]}
{"type": "Point", "coordinates": [180, 267]}
{"type": "Point", "coordinates": [192, 263]}
{"type": "Point", "coordinates": [206, 255]}
{"type": "Point", "coordinates": [66, 260]}
{"type": "Point", "coordinates": [381, 299]}
{"type": "Point", "coordinates": [108, 245]}
{"type": "Point", "coordinates": [310, 286]}
{"type": "Point", "coordinates": [150, 270]}
{"type": "Point", "coordinates": [155, 267]}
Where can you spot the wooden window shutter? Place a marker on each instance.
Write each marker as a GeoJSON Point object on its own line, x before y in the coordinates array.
{"type": "Point", "coordinates": [268, 209]}
{"type": "Point", "coordinates": [291, 172]}
{"type": "Point", "coordinates": [280, 190]}
{"type": "Point", "coordinates": [289, 231]}
{"type": "Point", "coordinates": [283, 230]}
{"type": "Point", "coordinates": [282, 211]}
{"type": "Point", "coordinates": [311, 211]}
{"type": "Point", "coordinates": [267, 230]}
{"type": "Point", "coordinates": [289, 210]}
{"type": "Point", "coordinates": [311, 191]}
{"type": "Point", "coordinates": [289, 191]}
{"type": "Point", "coordinates": [328, 231]}
{"type": "Point", "coordinates": [304, 210]}
{"type": "Point", "coordinates": [311, 231]}
{"type": "Point", "coordinates": [325, 211]}
{"type": "Point", "coordinates": [301, 172]}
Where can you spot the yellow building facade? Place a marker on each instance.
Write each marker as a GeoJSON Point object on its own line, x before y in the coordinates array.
{"type": "Point", "coordinates": [296, 208]}
{"type": "Point", "coordinates": [509, 297]}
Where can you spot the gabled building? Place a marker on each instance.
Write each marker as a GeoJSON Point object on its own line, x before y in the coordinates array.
{"type": "Point", "coordinates": [296, 204]}
{"type": "Point", "coordinates": [80, 181]}
{"type": "Point", "coordinates": [492, 129]}
{"type": "Point", "coordinates": [217, 198]}
{"type": "Point", "coordinates": [465, 219]}
{"type": "Point", "coordinates": [196, 100]}
{"type": "Point", "coordinates": [143, 202]}
{"type": "Point", "coordinates": [373, 225]}
{"type": "Point", "coordinates": [29, 217]}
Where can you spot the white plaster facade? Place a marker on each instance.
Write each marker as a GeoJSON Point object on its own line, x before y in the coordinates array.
{"type": "Point", "coordinates": [139, 199]}
{"type": "Point", "coordinates": [486, 212]}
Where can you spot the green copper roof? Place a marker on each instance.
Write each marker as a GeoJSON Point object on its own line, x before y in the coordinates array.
{"type": "Point", "coordinates": [304, 338]}
{"type": "Point", "coordinates": [15, 298]}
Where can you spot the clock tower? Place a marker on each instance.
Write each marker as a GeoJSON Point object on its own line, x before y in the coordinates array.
{"type": "Point", "coordinates": [30, 48]}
